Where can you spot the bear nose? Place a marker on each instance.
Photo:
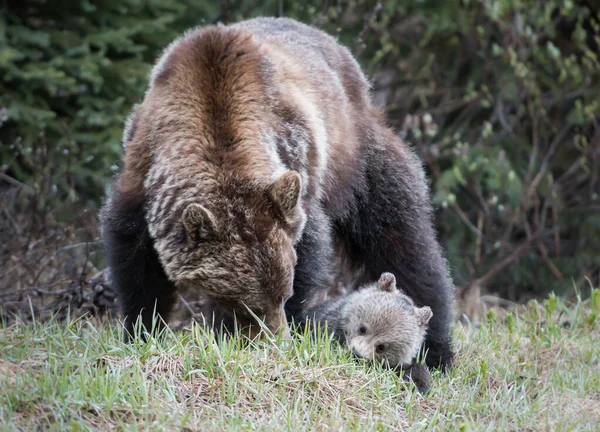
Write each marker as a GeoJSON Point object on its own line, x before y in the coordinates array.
{"type": "Point", "coordinates": [356, 353]}
{"type": "Point", "coordinates": [277, 322]}
{"type": "Point", "coordinates": [285, 334]}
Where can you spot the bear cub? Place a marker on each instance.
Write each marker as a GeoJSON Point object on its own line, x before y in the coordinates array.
{"type": "Point", "coordinates": [378, 322]}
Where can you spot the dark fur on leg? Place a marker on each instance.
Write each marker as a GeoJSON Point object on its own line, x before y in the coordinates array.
{"type": "Point", "coordinates": [137, 275]}
{"type": "Point", "coordinates": [314, 253]}
{"type": "Point", "coordinates": [419, 375]}
{"type": "Point", "coordinates": [391, 230]}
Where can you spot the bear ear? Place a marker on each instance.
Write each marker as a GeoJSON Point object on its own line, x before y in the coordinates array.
{"type": "Point", "coordinates": [424, 314]}
{"type": "Point", "coordinates": [387, 282]}
{"type": "Point", "coordinates": [285, 194]}
{"type": "Point", "coordinates": [200, 224]}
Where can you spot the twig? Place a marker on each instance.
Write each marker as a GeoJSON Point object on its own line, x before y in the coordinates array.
{"type": "Point", "coordinates": [535, 140]}
{"type": "Point", "coordinates": [555, 271]}
{"type": "Point", "coordinates": [466, 220]}
{"type": "Point", "coordinates": [498, 267]}
{"type": "Point", "coordinates": [40, 287]}
{"type": "Point", "coordinates": [16, 182]}
{"type": "Point", "coordinates": [569, 172]}
{"type": "Point", "coordinates": [366, 26]}
{"type": "Point", "coordinates": [478, 240]}
{"type": "Point", "coordinates": [53, 293]}
{"type": "Point", "coordinates": [85, 263]}
{"type": "Point", "coordinates": [77, 245]}
{"type": "Point", "coordinates": [499, 111]}
{"type": "Point", "coordinates": [544, 166]}
{"type": "Point", "coordinates": [13, 222]}
{"type": "Point", "coordinates": [555, 227]}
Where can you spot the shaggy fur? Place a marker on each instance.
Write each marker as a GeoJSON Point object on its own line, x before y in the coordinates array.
{"type": "Point", "coordinates": [378, 322]}
{"type": "Point", "coordinates": [257, 147]}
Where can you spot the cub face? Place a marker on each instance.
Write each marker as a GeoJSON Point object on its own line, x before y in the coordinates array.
{"type": "Point", "coordinates": [383, 324]}
{"type": "Point", "coordinates": [239, 250]}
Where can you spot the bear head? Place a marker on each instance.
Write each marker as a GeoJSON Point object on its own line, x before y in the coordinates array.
{"type": "Point", "coordinates": [238, 248]}
{"type": "Point", "coordinates": [383, 324]}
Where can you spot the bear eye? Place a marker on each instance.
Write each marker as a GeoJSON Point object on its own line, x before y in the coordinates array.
{"type": "Point", "coordinates": [362, 329]}
{"type": "Point", "coordinates": [380, 348]}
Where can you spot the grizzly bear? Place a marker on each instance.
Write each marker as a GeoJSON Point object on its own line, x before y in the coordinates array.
{"type": "Point", "coordinates": [380, 323]}
{"type": "Point", "coordinates": [377, 322]}
{"type": "Point", "coordinates": [256, 149]}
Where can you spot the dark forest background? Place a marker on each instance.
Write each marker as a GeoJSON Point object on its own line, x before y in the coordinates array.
{"type": "Point", "coordinates": [499, 97]}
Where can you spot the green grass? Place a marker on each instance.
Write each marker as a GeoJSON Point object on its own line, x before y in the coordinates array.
{"type": "Point", "coordinates": [537, 370]}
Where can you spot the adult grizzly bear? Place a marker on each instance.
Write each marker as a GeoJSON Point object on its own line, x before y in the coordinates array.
{"type": "Point", "coordinates": [255, 149]}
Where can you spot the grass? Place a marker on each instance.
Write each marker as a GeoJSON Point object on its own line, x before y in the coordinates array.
{"type": "Point", "coordinates": [536, 370]}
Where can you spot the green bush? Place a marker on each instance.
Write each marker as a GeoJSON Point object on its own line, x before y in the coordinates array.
{"type": "Point", "coordinates": [503, 99]}
{"type": "Point", "coordinates": [499, 97]}
{"type": "Point", "coordinates": [70, 73]}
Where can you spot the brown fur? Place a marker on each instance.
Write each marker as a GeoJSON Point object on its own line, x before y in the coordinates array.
{"type": "Point", "coordinates": [378, 322]}
{"type": "Point", "coordinates": [255, 147]}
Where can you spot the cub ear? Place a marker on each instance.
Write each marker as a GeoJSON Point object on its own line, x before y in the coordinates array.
{"type": "Point", "coordinates": [199, 222]}
{"type": "Point", "coordinates": [387, 282]}
{"type": "Point", "coordinates": [285, 194]}
{"type": "Point", "coordinates": [424, 314]}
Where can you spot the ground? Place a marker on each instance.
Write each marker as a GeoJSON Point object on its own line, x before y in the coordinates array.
{"type": "Point", "coordinates": [537, 369]}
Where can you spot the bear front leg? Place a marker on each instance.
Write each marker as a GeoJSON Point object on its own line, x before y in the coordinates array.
{"type": "Point", "coordinates": [419, 375]}
{"type": "Point", "coordinates": [313, 251]}
{"type": "Point", "coordinates": [390, 229]}
{"type": "Point", "coordinates": [136, 273]}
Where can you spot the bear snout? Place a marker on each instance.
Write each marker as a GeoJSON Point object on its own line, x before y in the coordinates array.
{"type": "Point", "coordinates": [276, 322]}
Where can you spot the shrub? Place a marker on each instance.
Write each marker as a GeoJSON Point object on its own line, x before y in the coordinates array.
{"type": "Point", "coordinates": [501, 100]}
{"type": "Point", "coordinates": [70, 73]}
{"type": "Point", "coordinates": [499, 97]}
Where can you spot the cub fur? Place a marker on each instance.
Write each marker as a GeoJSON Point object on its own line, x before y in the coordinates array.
{"type": "Point", "coordinates": [256, 150]}
{"type": "Point", "coordinates": [378, 322]}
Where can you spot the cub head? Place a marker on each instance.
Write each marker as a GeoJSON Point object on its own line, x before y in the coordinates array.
{"type": "Point", "coordinates": [383, 324]}
{"type": "Point", "coordinates": [238, 248]}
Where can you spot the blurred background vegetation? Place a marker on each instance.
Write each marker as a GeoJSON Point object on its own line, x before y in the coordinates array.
{"type": "Point", "coordinates": [499, 97]}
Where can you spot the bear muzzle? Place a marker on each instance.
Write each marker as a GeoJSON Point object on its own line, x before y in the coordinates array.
{"type": "Point", "coordinates": [277, 323]}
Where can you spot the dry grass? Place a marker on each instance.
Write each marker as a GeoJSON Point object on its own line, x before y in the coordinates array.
{"type": "Point", "coordinates": [539, 370]}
